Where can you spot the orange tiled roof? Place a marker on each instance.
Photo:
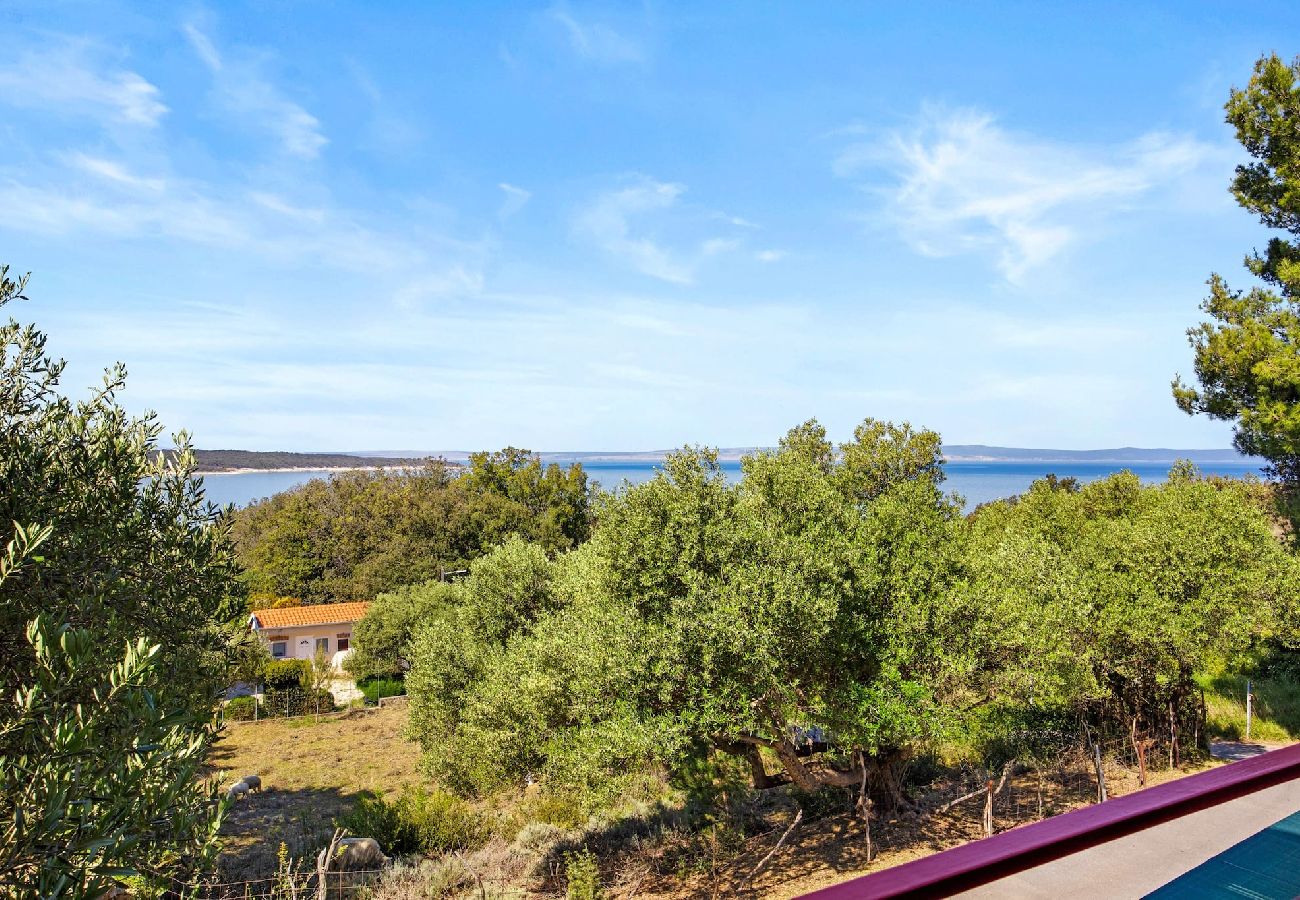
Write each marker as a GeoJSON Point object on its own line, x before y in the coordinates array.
{"type": "Point", "coordinates": [320, 614]}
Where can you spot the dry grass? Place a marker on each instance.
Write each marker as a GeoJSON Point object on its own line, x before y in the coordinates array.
{"type": "Point", "coordinates": [832, 850]}
{"type": "Point", "coordinates": [311, 772]}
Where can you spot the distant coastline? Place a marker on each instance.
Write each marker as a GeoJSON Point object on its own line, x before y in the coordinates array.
{"type": "Point", "coordinates": [248, 470]}
{"type": "Point", "coordinates": [244, 462]}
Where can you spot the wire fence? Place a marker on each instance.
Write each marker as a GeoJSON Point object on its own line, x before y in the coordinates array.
{"type": "Point", "coordinates": [299, 704]}
{"type": "Point", "coordinates": [291, 885]}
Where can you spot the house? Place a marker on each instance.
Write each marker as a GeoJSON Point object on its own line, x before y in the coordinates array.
{"type": "Point", "coordinates": [300, 632]}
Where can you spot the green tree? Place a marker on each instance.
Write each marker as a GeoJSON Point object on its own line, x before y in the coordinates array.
{"type": "Point", "coordinates": [1247, 358]}
{"type": "Point", "coordinates": [1105, 602]}
{"type": "Point", "coordinates": [359, 534]}
{"type": "Point", "coordinates": [99, 745]}
{"type": "Point", "coordinates": [379, 640]}
{"type": "Point", "coordinates": [810, 598]}
{"type": "Point", "coordinates": [504, 594]}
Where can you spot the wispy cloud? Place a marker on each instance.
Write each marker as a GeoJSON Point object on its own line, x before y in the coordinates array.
{"type": "Point", "coordinates": [243, 90]}
{"type": "Point", "coordinates": [115, 172]}
{"type": "Point", "coordinates": [643, 224]}
{"type": "Point", "coordinates": [607, 223]}
{"type": "Point", "coordinates": [957, 182]}
{"type": "Point", "coordinates": [596, 41]}
{"type": "Point", "coordinates": [514, 200]}
{"type": "Point", "coordinates": [90, 195]}
{"type": "Point", "coordinates": [71, 77]}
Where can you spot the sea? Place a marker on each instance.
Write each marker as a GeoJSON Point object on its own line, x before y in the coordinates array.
{"type": "Point", "coordinates": [975, 481]}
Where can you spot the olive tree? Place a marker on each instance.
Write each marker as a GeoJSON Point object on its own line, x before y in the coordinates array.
{"type": "Point", "coordinates": [809, 600]}
{"type": "Point", "coordinates": [116, 637]}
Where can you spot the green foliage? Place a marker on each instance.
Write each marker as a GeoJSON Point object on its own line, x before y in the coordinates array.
{"type": "Point", "coordinates": [1108, 601]}
{"type": "Point", "coordinates": [284, 674]}
{"type": "Point", "coordinates": [242, 708]}
{"type": "Point", "coordinates": [1275, 713]}
{"type": "Point", "coordinates": [361, 534]}
{"type": "Point", "coordinates": [582, 872]}
{"type": "Point", "coordinates": [418, 821]}
{"type": "Point", "coordinates": [116, 638]}
{"type": "Point", "coordinates": [135, 552]}
{"type": "Point", "coordinates": [379, 640]}
{"type": "Point", "coordinates": [813, 593]}
{"type": "Point", "coordinates": [1248, 357]}
{"type": "Point", "coordinates": [93, 791]}
{"type": "Point", "coordinates": [374, 688]}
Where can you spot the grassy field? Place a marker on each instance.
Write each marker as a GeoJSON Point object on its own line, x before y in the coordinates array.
{"type": "Point", "coordinates": [311, 772]}
{"type": "Point", "coordinates": [1276, 709]}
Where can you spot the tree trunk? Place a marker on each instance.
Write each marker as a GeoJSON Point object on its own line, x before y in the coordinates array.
{"type": "Point", "coordinates": [757, 771]}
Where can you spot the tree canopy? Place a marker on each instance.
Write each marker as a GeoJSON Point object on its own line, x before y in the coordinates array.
{"type": "Point", "coordinates": [1247, 357]}
{"type": "Point", "coordinates": [812, 595]}
{"type": "Point", "coordinates": [359, 534]}
{"type": "Point", "coordinates": [120, 619]}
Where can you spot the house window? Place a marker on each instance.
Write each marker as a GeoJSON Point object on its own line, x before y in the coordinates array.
{"type": "Point", "coordinates": [322, 645]}
{"type": "Point", "coordinates": [279, 649]}
{"type": "Point", "coordinates": [343, 641]}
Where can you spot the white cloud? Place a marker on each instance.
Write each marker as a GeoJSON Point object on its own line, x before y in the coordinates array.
{"type": "Point", "coordinates": [596, 41]}
{"type": "Point", "coordinates": [90, 195]}
{"type": "Point", "coordinates": [67, 78]}
{"type": "Point", "coordinates": [770, 256]}
{"type": "Point", "coordinates": [515, 198]}
{"type": "Point", "coordinates": [715, 246]}
{"type": "Point", "coordinates": [242, 89]}
{"type": "Point", "coordinates": [607, 223]}
{"type": "Point", "coordinates": [455, 280]}
{"type": "Point", "coordinates": [115, 172]}
{"type": "Point", "coordinates": [277, 204]}
{"type": "Point", "coordinates": [960, 183]}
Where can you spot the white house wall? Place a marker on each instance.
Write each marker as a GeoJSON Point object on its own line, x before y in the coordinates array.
{"type": "Point", "coordinates": [301, 640]}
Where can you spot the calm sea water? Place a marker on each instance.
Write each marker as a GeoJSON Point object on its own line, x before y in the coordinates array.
{"type": "Point", "coordinates": [977, 482]}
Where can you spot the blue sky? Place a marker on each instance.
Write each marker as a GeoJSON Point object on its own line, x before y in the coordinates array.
{"type": "Point", "coordinates": [569, 226]}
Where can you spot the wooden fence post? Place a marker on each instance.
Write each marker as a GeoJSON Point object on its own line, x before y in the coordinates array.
{"type": "Point", "coordinates": [1250, 707]}
{"type": "Point", "coordinates": [988, 808]}
{"type": "Point", "coordinates": [1101, 773]}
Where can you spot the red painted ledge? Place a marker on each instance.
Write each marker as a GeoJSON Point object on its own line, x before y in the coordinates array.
{"type": "Point", "coordinates": [980, 862]}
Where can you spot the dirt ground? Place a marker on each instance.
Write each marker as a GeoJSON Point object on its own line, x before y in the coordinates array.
{"type": "Point", "coordinates": [831, 850]}
{"type": "Point", "coordinates": [311, 772]}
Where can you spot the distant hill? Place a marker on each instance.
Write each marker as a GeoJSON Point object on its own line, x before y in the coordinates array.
{"type": "Point", "coordinates": [972, 452]}
{"type": "Point", "coordinates": [234, 460]}
{"type": "Point", "coordinates": [952, 452]}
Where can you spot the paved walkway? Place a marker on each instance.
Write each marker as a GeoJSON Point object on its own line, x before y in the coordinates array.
{"type": "Point", "coordinates": [1235, 750]}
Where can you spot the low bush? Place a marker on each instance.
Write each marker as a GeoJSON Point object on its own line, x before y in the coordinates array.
{"type": "Point", "coordinates": [583, 875]}
{"type": "Point", "coordinates": [294, 701]}
{"type": "Point", "coordinates": [283, 674]}
{"type": "Point", "coordinates": [418, 821]}
{"type": "Point", "coordinates": [241, 708]}
{"type": "Point", "coordinates": [374, 688]}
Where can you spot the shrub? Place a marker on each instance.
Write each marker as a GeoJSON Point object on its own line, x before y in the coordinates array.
{"type": "Point", "coordinates": [241, 708]}
{"type": "Point", "coordinates": [583, 875]}
{"type": "Point", "coordinates": [374, 688]}
{"type": "Point", "coordinates": [294, 701]}
{"type": "Point", "coordinates": [283, 674]}
{"type": "Point", "coordinates": [418, 821]}
{"type": "Point", "coordinates": [538, 837]}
